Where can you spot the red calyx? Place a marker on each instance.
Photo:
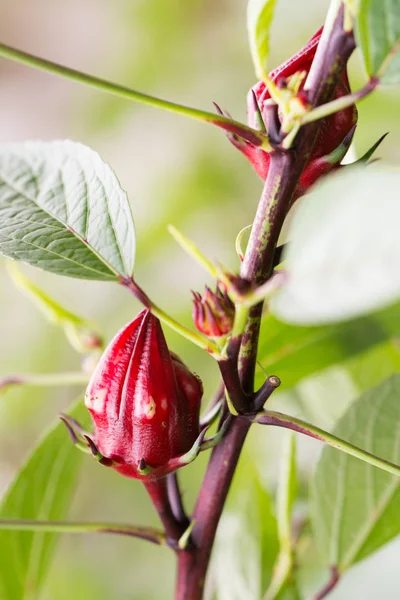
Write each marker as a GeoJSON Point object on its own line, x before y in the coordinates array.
{"type": "Point", "coordinates": [213, 314]}
{"type": "Point", "coordinates": [334, 128]}
{"type": "Point", "coordinates": [144, 402]}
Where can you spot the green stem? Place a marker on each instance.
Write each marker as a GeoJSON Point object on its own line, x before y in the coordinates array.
{"type": "Point", "coordinates": [282, 571]}
{"type": "Point", "coordinates": [145, 533]}
{"type": "Point", "coordinates": [251, 135]}
{"type": "Point", "coordinates": [241, 314]}
{"type": "Point", "coordinates": [196, 338]}
{"type": "Point", "coordinates": [192, 336]}
{"type": "Point", "coordinates": [264, 291]}
{"type": "Point", "coordinates": [45, 380]}
{"type": "Point", "coordinates": [270, 417]}
{"type": "Point", "coordinates": [193, 251]}
{"type": "Point", "coordinates": [320, 112]}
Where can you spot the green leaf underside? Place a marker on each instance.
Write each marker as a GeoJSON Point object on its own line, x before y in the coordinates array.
{"type": "Point", "coordinates": [375, 365]}
{"type": "Point", "coordinates": [294, 352]}
{"type": "Point", "coordinates": [243, 571]}
{"type": "Point", "coordinates": [259, 18]}
{"type": "Point", "coordinates": [287, 487]}
{"type": "Point", "coordinates": [378, 36]}
{"type": "Point", "coordinates": [356, 506]}
{"type": "Point", "coordinates": [62, 209]}
{"type": "Point", "coordinates": [283, 584]}
{"type": "Point", "coordinates": [343, 258]}
{"type": "Point", "coordinates": [42, 490]}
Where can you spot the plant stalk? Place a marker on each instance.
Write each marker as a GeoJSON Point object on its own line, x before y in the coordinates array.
{"type": "Point", "coordinates": [174, 528]}
{"type": "Point", "coordinates": [251, 135]}
{"type": "Point", "coordinates": [144, 533]}
{"type": "Point", "coordinates": [284, 172]}
{"type": "Point", "coordinates": [270, 417]}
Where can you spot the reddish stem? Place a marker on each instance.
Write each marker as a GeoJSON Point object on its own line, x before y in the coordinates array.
{"type": "Point", "coordinates": [192, 564]}
{"type": "Point", "coordinates": [333, 581]}
{"type": "Point", "coordinates": [284, 172]}
{"type": "Point", "coordinates": [158, 493]}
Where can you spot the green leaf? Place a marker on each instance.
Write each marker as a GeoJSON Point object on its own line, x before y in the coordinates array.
{"type": "Point", "coordinates": [293, 352]}
{"type": "Point", "coordinates": [259, 18]}
{"type": "Point", "coordinates": [242, 571]}
{"type": "Point", "coordinates": [343, 259]}
{"type": "Point", "coordinates": [375, 365]}
{"type": "Point", "coordinates": [282, 584]}
{"type": "Point", "coordinates": [62, 209]}
{"type": "Point", "coordinates": [378, 36]}
{"type": "Point", "coordinates": [355, 508]}
{"type": "Point", "coordinates": [43, 489]}
{"type": "Point", "coordinates": [83, 335]}
{"type": "Point", "coordinates": [287, 489]}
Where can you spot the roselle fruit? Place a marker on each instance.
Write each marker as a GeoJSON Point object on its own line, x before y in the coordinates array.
{"type": "Point", "coordinates": [336, 130]}
{"type": "Point", "coordinates": [144, 403]}
{"type": "Point", "coordinates": [213, 314]}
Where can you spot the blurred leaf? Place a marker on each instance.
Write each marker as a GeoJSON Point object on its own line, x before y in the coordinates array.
{"type": "Point", "coordinates": [259, 18]}
{"type": "Point", "coordinates": [372, 367]}
{"type": "Point", "coordinates": [207, 177]}
{"type": "Point", "coordinates": [62, 209]}
{"type": "Point", "coordinates": [378, 36]}
{"type": "Point", "coordinates": [43, 489]}
{"type": "Point", "coordinates": [134, 61]}
{"type": "Point", "coordinates": [293, 352]}
{"type": "Point", "coordinates": [355, 506]}
{"type": "Point", "coordinates": [83, 335]}
{"type": "Point", "coordinates": [287, 489]}
{"type": "Point", "coordinates": [342, 261]}
{"type": "Point", "coordinates": [282, 584]}
{"type": "Point", "coordinates": [242, 571]}
{"type": "Point", "coordinates": [290, 592]}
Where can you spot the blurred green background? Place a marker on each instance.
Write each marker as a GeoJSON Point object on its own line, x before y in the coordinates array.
{"type": "Point", "coordinates": [175, 171]}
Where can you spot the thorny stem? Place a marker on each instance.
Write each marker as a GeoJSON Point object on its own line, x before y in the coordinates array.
{"type": "Point", "coordinates": [144, 533]}
{"type": "Point", "coordinates": [284, 172]}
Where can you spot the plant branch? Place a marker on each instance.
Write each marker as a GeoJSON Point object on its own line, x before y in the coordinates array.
{"type": "Point", "coordinates": [234, 394]}
{"type": "Point", "coordinates": [253, 136]}
{"type": "Point", "coordinates": [257, 266]}
{"type": "Point", "coordinates": [174, 527]}
{"type": "Point", "coordinates": [175, 499]}
{"type": "Point", "coordinates": [44, 379]}
{"type": "Point", "coordinates": [196, 338]}
{"type": "Point", "coordinates": [193, 251]}
{"type": "Point", "coordinates": [192, 564]}
{"type": "Point", "coordinates": [214, 406]}
{"type": "Point", "coordinates": [284, 172]}
{"type": "Point", "coordinates": [270, 417]}
{"type": "Point", "coordinates": [144, 533]}
{"type": "Point", "coordinates": [339, 104]}
{"type": "Point", "coordinates": [332, 583]}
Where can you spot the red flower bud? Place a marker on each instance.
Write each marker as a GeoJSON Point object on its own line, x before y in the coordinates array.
{"type": "Point", "coordinates": [144, 402]}
{"type": "Point", "coordinates": [213, 314]}
{"type": "Point", "coordinates": [334, 128]}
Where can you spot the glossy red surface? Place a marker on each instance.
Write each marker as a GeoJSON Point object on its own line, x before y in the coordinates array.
{"type": "Point", "coordinates": [144, 402]}
{"type": "Point", "coordinates": [334, 128]}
